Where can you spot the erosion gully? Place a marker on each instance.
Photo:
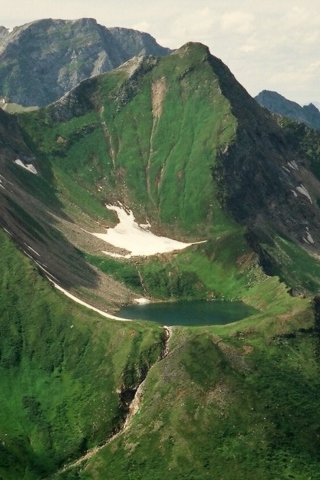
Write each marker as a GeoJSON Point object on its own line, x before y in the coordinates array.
{"type": "Point", "coordinates": [132, 408]}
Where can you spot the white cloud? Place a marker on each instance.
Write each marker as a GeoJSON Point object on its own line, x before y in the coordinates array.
{"type": "Point", "coordinates": [314, 66]}
{"type": "Point", "coordinates": [238, 22]}
{"type": "Point", "coordinates": [142, 26]}
{"type": "Point", "coordinates": [195, 24]}
{"type": "Point", "coordinates": [247, 48]}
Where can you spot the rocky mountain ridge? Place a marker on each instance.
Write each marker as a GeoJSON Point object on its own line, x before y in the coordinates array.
{"type": "Point", "coordinates": [276, 103]}
{"type": "Point", "coordinates": [42, 60]}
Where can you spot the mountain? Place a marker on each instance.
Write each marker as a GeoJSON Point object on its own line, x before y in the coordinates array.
{"type": "Point", "coordinates": [276, 103]}
{"type": "Point", "coordinates": [42, 60]}
{"type": "Point", "coordinates": [4, 32]}
{"type": "Point", "coordinates": [179, 144]}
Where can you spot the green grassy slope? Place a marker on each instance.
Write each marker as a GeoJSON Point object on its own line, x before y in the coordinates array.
{"type": "Point", "coordinates": [224, 398]}
{"type": "Point", "coordinates": [63, 369]}
{"type": "Point", "coordinates": [180, 143]}
{"type": "Point", "coordinates": [226, 403]}
{"type": "Point", "coordinates": [149, 140]}
{"type": "Point", "coordinates": [240, 398]}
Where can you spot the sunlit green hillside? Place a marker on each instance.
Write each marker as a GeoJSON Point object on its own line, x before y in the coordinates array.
{"type": "Point", "coordinates": [66, 373]}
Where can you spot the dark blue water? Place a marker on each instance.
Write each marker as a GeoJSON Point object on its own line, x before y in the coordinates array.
{"type": "Point", "coordinates": [196, 312]}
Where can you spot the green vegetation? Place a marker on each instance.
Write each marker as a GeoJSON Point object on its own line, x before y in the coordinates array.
{"type": "Point", "coordinates": [231, 408]}
{"type": "Point", "coordinates": [230, 402]}
{"type": "Point", "coordinates": [61, 368]}
{"type": "Point", "coordinates": [294, 265]}
{"type": "Point", "coordinates": [223, 267]}
{"type": "Point", "coordinates": [123, 271]}
{"type": "Point", "coordinates": [305, 140]}
{"type": "Point", "coordinates": [142, 141]}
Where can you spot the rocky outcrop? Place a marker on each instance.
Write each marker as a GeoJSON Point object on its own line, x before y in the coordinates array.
{"type": "Point", "coordinates": [263, 177]}
{"type": "Point", "coordinates": [42, 60]}
{"type": "Point", "coordinates": [308, 114]}
{"type": "Point", "coordinates": [4, 32]}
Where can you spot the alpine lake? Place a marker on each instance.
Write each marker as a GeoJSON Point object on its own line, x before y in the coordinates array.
{"type": "Point", "coordinates": [189, 313]}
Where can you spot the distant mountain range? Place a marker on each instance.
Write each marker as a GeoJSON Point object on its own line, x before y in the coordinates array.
{"type": "Point", "coordinates": [42, 60]}
{"type": "Point", "coordinates": [276, 103]}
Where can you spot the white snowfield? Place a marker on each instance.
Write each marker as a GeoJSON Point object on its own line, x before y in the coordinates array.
{"type": "Point", "coordinates": [137, 239]}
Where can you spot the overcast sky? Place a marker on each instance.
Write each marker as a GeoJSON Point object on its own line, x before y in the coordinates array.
{"type": "Point", "coordinates": [267, 44]}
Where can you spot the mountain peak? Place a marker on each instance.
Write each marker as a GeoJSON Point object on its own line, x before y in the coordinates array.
{"type": "Point", "coordinates": [192, 48]}
{"type": "Point", "coordinates": [44, 59]}
{"type": "Point", "coordinates": [311, 107]}
{"type": "Point", "coordinates": [280, 105]}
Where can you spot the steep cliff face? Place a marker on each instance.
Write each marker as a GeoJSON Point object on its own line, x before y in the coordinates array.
{"type": "Point", "coordinates": [308, 114]}
{"type": "Point", "coordinates": [42, 60]}
{"type": "Point", "coordinates": [265, 176]}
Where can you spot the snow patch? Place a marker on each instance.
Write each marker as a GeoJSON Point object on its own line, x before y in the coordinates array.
{"type": "Point", "coordinates": [116, 255]}
{"type": "Point", "coordinates": [141, 301]}
{"type": "Point", "coordinates": [294, 193]}
{"type": "Point", "coordinates": [43, 269]}
{"type": "Point", "coordinates": [77, 300]}
{"type": "Point", "coordinates": [304, 192]}
{"type": "Point", "coordinates": [137, 239]}
{"type": "Point", "coordinates": [27, 166]}
{"type": "Point", "coordinates": [30, 248]}
{"type": "Point", "coordinates": [309, 237]}
{"type": "Point", "coordinates": [28, 255]}
{"type": "Point", "coordinates": [293, 165]}
{"type": "Point", "coordinates": [286, 169]}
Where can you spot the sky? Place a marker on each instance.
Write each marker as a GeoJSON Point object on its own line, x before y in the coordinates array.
{"type": "Point", "coordinates": [267, 44]}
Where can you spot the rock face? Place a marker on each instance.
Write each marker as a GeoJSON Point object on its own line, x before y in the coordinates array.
{"type": "Point", "coordinates": [4, 32]}
{"type": "Point", "coordinates": [276, 103]}
{"type": "Point", "coordinates": [42, 60]}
